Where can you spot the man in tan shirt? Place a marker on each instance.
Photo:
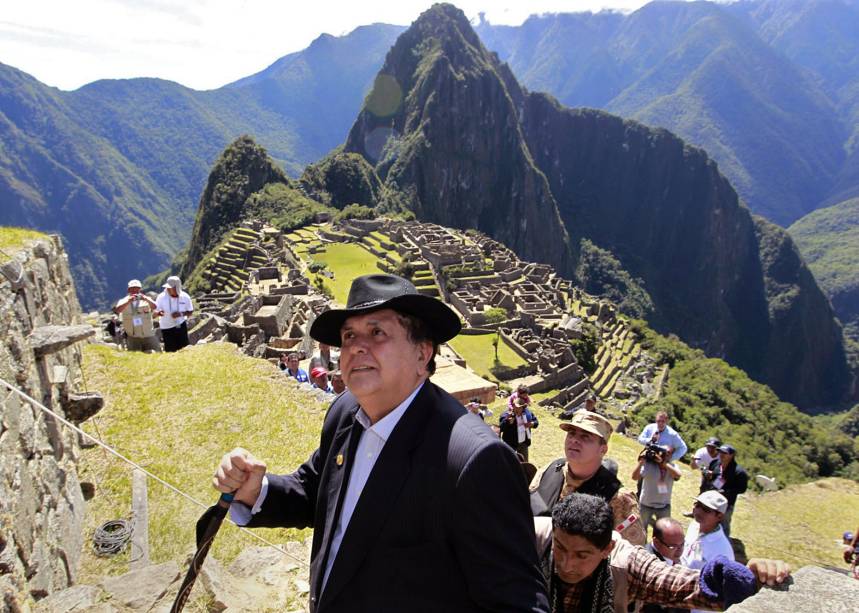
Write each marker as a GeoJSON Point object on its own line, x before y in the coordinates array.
{"type": "Point", "coordinates": [581, 470]}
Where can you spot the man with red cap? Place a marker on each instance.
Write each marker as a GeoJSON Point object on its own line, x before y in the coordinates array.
{"type": "Point", "coordinates": [415, 504]}
{"type": "Point", "coordinates": [319, 379]}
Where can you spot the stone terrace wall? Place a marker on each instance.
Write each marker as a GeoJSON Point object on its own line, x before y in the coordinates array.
{"type": "Point", "coordinates": [41, 505]}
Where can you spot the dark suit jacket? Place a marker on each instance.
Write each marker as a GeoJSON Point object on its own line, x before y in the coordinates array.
{"type": "Point", "coordinates": [510, 431]}
{"type": "Point", "coordinates": [442, 524]}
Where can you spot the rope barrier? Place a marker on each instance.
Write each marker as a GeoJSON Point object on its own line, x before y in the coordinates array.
{"type": "Point", "coordinates": [114, 452]}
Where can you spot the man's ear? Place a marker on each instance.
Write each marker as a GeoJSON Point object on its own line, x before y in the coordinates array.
{"type": "Point", "coordinates": [608, 549]}
{"type": "Point", "coordinates": [425, 349]}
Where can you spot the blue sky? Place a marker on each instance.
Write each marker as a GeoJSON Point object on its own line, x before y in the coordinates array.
{"type": "Point", "coordinates": [206, 43]}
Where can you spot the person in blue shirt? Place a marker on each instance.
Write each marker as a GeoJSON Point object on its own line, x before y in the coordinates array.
{"type": "Point", "coordinates": [291, 368]}
{"type": "Point", "coordinates": [663, 434]}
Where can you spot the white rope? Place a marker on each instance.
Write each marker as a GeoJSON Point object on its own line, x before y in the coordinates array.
{"type": "Point", "coordinates": [169, 486]}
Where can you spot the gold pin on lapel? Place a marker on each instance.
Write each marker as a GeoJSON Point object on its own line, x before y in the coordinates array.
{"type": "Point", "coordinates": [339, 459]}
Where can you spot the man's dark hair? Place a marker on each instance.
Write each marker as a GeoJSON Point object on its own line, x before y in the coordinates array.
{"type": "Point", "coordinates": [587, 516]}
{"type": "Point", "coordinates": [418, 332]}
{"type": "Point", "coordinates": [292, 355]}
{"type": "Point", "coordinates": [522, 388]}
{"type": "Point", "coordinates": [663, 523]}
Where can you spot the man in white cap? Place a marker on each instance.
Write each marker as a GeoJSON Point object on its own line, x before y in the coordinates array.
{"type": "Point", "coordinates": [705, 538]}
{"type": "Point", "coordinates": [136, 310]}
{"type": "Point", "coordinates": [174, 307]}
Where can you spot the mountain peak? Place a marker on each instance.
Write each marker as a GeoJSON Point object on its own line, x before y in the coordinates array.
{"type": "Point", "coordinates": [441, 128]}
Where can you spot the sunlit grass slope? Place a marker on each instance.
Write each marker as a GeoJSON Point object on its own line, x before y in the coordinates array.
{"type": "Point", "coordinates": [176, 414]}
{"type": "Point", "coordinates": [12, 239]}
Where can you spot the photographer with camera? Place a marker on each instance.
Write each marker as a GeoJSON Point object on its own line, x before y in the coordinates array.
{"type": "Point", "coordinates": [136, 310]}
{"type": "Point", "coordinates": [657, 476]}
{"type": "Point", "coordinates": [661, 433]}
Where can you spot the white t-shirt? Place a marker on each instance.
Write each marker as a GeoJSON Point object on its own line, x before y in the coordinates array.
{"type": "Point", "coordinates": [167, 303]}
{"type": "Point", "coordinates": [703, 458]}
{"type": "Point", "coordinates": [698, 549]}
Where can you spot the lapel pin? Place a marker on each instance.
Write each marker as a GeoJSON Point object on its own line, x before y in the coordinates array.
{"type": "Point", "coordinates": [339, 459]}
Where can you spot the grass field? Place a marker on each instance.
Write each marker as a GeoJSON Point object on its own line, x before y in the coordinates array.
{"type": "Point", "coordinates": [346, 261]}
{"type": "Point", "coordinates": [12, 239]}
{"type": "Point", "coordinates": [176, 415]}
{"type": "Point", "coordinates": [478, 352]}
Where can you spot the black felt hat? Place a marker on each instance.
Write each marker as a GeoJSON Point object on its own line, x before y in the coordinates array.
{"type": "Point", "coordinates": [375, 292]}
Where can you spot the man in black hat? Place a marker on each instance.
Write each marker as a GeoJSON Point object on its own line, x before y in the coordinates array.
{"type": "Point", "coordinates": [728, 478]}
{"type": "Point", "coordinates": [415, 504]}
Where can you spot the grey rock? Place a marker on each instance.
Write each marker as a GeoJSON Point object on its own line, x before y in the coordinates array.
{"type": "Point", "coordinates": [14, 274]}
{"type": "Point", "coordinates": [223, 590]}
{"type": "Point", "coordinates": [809, 589]}
{"type": "Point", "coordinates": [50, 339]}
{"type": "Point", "coordinates": [80, 407]}
{"type": "Point", "coordinates": [254, 560]}
{"type": "Point", "coordinates": [140, 589]}
{"type": "Point", "coordinates": [40, 573]}
{"type": "Point", "coordinates": [77, 598]}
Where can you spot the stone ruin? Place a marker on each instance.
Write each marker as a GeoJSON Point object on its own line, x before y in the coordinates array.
{"type": "Point", "coordinates": [41, 498]}
{"type": "Point", "coordinates": [267, 305]}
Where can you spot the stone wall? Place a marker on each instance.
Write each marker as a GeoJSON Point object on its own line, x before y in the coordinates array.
{"type": "Point", "coordinates": [41, 505]}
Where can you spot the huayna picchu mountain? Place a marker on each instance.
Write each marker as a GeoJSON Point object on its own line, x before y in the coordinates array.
{"type": "Point", "coordinates": [456, 140]}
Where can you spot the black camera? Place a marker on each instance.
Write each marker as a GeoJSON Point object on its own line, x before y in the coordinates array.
{"type": "Point", "coordinates": [654, 452]}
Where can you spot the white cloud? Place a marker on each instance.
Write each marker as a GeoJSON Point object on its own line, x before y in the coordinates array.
{"type": "Point", "coordinates": [204, 43]}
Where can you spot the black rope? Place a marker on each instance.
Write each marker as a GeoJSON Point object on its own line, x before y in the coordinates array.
{"type": "Point", "coordinates": [112, 537]}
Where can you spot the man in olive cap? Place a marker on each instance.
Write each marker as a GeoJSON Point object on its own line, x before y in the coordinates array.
{"type": "Point", "coordinates": [415, 504]}
{"type": "Point", "coordinates": [582, 470]}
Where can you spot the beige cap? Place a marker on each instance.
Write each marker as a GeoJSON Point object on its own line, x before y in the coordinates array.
{"type": "Point", "coordinates": [589, 422]}
{"type": "Point", "coordinates": [713, 500]}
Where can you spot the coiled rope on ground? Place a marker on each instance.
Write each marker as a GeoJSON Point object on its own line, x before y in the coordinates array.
{"type": "Point", "coordinates": [111, 537]}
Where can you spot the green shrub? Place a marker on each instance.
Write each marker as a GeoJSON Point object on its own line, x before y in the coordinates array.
{"type": "Point", "coordinates": [355, 211]}
{"type": "Point", "coordinates": [495, 315]}
{"type": "Point", "coordinates": [585, 348]}
{"type": "Point", "coordinates": [708, 397]}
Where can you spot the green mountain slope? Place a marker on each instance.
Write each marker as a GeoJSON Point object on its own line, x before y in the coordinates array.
{"type": "Point", "coordinates": [531, 173]}
{"type": "Point", "coordinates": [829, 242]}
{"type": "Point", "coordinates": [117, 166]}
{"type": "Point", "coordinates": [707, 72]}
{"type": "Point", "coordinates": [57, 176]}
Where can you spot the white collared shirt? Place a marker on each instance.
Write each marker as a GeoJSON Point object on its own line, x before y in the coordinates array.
{"type": "Point", "coordinates": [370, 446]}
{"type": "Point", "coordinates": [167, 303]}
